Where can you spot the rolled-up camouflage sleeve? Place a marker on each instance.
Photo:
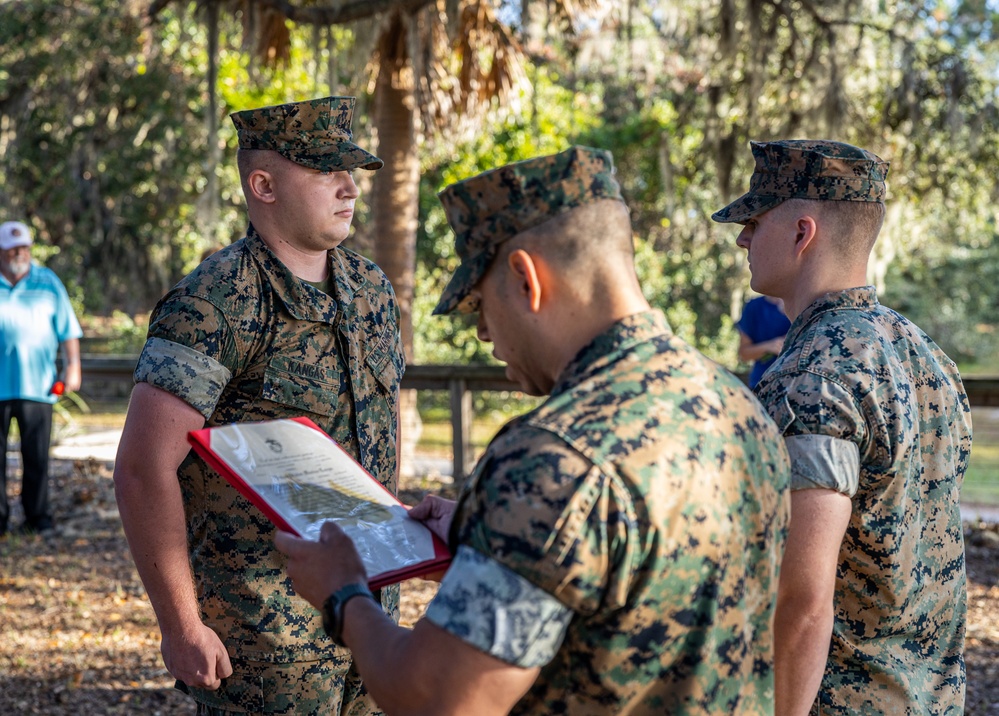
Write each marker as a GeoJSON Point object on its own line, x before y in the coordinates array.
{"type": "Point", "coordinates": [824, 430]}
{"type": "Point", "coordinates": [189, 351]}
{"type": "Point", "coordinates": [820, 461]}
{"type": "Point", "coordinates": [499, 612]}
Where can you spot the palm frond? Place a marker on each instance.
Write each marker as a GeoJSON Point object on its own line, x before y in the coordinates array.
{"type": "Point", "coordinates": [461, 58]}
{"type": "Point", "coordinates": [465, 64]}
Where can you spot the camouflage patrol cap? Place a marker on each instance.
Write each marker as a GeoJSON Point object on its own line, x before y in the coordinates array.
{"type": "Point", "coordinates": [492, 207]}
{"type": "Point", "coordinates": [314, 133]}
{"type": "Point", "coordinates": [807, 169]}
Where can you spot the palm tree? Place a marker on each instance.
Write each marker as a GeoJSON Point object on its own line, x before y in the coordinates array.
{"type": "Point", "coordinates": [440, 65]}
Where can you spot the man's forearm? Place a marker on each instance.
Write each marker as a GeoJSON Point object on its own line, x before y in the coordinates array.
{"type": "Point", "coordinates": [426, 670]}
{"type": "Point", "coordinates": [71, 364]}
{"type": "Point", "coordinates": [153, 445]}
{"type": "Point", "coordinates": [803, 621]}
{"type": "Point", "coordinates": [381, 651]}
{"type": "Point", "coordinates": [756, 351]}
{"type": "Point", "coordinates": [157, 537]}
{"type": "Point", "coordinates": [801, 643]}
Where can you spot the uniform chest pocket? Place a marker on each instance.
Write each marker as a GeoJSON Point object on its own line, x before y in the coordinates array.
{"type": "Point", "coordinates": [301, 386]}
{"type": "Point", "coordinates": [386, 361]}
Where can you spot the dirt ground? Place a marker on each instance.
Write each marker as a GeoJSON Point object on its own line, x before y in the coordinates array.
{"type": "Point", "coordinates": [79, 638]}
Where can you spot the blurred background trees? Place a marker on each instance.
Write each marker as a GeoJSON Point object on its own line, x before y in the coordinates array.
{"type": "Point", "coordinates": [117, 148]}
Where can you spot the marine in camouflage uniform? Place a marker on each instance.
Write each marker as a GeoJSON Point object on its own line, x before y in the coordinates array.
{"type": "Point", "coordinates": [616, 550]}
{"type": "Point", "coordinates": [633, 524]}
{"type": "Point", "coordinates": [243, 339]}
{"type": "Point", "coordinates": [872, 408]}
{"type": "Point", "coordinates": [625, 535]}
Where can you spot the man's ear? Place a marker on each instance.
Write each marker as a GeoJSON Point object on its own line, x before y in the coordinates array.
{"type": "Point", "coordinates": [261, 186]}
{"type": "Point", "coordinates": [804, 237]}
{"type": "Point", "coordinates": [526, 274]}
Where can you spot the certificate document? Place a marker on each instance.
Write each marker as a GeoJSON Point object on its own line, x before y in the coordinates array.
{"type": "Point", "coordinates": [300, 478]}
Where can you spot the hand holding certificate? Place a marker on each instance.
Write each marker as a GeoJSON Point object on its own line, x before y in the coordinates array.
{"type": "Point", "coordinates": [300, 478]}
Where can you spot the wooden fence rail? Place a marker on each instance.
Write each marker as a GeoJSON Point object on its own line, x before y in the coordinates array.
{"type": "Point", "coordinates": [105, 374]}
{"type": "Point", "coordinates": [111, 375]}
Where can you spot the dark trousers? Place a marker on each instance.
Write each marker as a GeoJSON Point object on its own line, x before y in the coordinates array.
{"type": "Point", "coordinates": [34, 421]}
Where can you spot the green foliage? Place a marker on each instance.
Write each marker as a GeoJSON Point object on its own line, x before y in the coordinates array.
{"type": "Point", "coordinates": [98, 158]}
{"type": "Point", "coordinates": [659, 275]}
{"type": "Point", "coordinates": [915, 83]}
{"type": "Point", "coordinates": [106, 141]}
{"type": "Point", "coordinates": [960, 315]}
{"type": "Point", "coordinates": [547, 128]}
{"type": "Point", "coordinates": [117, 334]}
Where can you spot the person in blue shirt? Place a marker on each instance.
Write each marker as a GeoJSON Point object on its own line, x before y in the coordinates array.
{"type": "Point", "coordinates": [36, 320]}
{"type": "Point", "coordinates": [761, 334]}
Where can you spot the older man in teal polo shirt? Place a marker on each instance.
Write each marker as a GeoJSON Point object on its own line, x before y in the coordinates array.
{"type": "Point", "coordinates": [36, 319]}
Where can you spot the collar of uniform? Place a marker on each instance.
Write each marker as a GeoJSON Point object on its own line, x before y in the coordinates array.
{"type": "Point", "coordinates": [862, 298]}
{"type": "Point", "coordinates": [345, 283]}
{"type": "Point", "coordinates": [632, 330]}
{"type": "Point", "coordinates": [301, 300]}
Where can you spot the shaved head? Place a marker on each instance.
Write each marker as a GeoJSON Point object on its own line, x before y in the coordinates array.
{"type": "Point", "coordinates": [590, 238]}
{"type": "Point", "coordinates": [590, 247]}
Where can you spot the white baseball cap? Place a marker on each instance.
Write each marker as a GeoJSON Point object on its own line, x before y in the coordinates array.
{"type": "Point", "coordinates": [14, 234]}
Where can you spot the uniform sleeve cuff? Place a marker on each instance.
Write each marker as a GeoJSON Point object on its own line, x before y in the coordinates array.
{"type": "Point", "coordinates": [184, 372]}
{"type": "Point", "coordinates": [494, 609]}
{"type": "Point", "coordinates": [824, 462]}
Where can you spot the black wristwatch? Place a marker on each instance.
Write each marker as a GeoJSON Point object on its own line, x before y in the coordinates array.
{"type": "Point", "coordinates": [333, 608]}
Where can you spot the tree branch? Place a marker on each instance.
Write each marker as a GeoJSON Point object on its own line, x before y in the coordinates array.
{"type": "Point", "coordinates": [345, 12]}
{"type": "Point", "coordinates": [828, 23]}
{"type": "Point", "coordinates": [322, 15]}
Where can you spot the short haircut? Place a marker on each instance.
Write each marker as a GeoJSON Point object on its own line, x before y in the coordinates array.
{"type": "Point", "coordinates": [249, 160]}
{"type": "Point", "coordinates": [592, 243]}
{"type": "Point", "coordinates": [589, 234]}
{"type": "Point", "coordinates": [855, 224]}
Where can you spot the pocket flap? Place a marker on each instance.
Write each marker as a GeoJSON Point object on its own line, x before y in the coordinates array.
{"type": "Point", "coordinates": [386, 360]}
{"type": "Point", "coordinates": [781, 413]}
{"type": "Point", "coordinates": [301, 385]}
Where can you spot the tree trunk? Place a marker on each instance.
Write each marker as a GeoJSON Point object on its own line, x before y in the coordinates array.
{"type": "Point", "coordinates": [209, 202]}
{"type": "Point", "coordinates": [394, 198]}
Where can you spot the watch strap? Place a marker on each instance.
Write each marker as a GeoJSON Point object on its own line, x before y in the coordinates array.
{"type": "Point", "coordinates": [334, 605]}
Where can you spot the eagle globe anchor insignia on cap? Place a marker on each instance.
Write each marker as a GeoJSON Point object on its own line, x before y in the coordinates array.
{"type": "Point", "coordinates": [314, 133]}
{"type": "Point", "coordinates": [821, 170]}
{"type": "Point", "coordinates": [493, 207]}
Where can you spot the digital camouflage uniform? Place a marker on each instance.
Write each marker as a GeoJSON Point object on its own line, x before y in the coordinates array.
{"type": "Point", "coordinates": [242, 339]}
{"type": "Point", "coordinates": [625, 536]}
{"type": "Point", "coordinates": [855, 371]}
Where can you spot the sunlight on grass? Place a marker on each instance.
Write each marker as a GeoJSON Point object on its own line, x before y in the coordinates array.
{"type": "Point", "coordinates": [981, 482]}
{"type": "Point", "coordinates": [436, 437]}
